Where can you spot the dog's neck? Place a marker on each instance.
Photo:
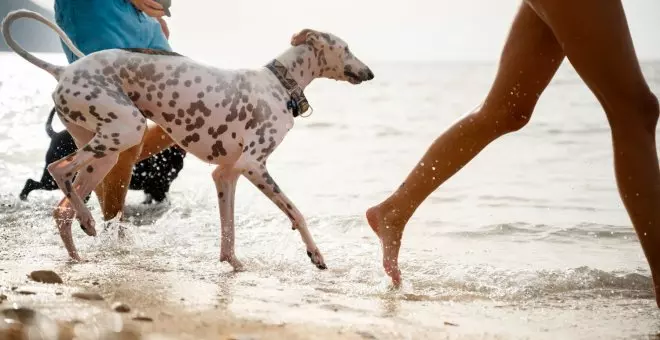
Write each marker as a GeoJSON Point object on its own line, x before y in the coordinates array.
{"type": "Point", "coordinates": [295, 70]}
{"type": "Point", "coordinates": [300, 64]}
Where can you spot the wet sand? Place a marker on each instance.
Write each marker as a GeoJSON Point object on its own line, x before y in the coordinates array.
{"type": "Point", "coordinates": [32, 310]}
{"type": "Point", "coordinates": [88, 310]}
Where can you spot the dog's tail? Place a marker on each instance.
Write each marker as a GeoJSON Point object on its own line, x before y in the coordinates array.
{"type": "Point", "coordinates": [49, 124]}
{"type": "Point", "coordinates": [50, 68]}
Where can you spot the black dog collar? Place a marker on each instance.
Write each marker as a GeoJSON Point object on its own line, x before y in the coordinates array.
{"type": "Point", "coordinates": [298, 103]}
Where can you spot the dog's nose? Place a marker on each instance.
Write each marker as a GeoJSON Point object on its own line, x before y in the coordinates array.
{"type": "Point", "coordinates": [370, 75]}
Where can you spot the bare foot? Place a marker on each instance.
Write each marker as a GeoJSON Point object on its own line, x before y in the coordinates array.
{"type": "Point", "coordinates": [388, 226]}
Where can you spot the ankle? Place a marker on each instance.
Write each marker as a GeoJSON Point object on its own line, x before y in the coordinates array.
{"type": "Point", "coordinates": [397, 209]}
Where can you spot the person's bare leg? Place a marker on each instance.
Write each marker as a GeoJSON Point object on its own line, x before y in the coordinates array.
{"type": "Point", "coordinates": [112, 191]}
{"type": "Point", "coordinates": [155, 141]}
{"type": "Point", "coordinates": [597, 42]}
{"type": "Point", "coordinates": [528, 62]}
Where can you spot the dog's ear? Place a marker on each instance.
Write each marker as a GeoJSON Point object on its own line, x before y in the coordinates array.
{"type": "Point", "coordinates": [305, 36]}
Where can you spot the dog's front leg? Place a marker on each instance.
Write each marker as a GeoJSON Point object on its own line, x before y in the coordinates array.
{"type": "Point", "coordinates": [225, 178]}
{"type": "Point", "coordinates": [259, 176]}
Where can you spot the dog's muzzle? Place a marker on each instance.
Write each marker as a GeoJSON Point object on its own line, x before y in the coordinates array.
{"type": "Point", "coordinates": [360, 76]}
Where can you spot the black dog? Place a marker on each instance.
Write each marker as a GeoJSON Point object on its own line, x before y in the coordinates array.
{"type": "Point", "coordinates": [153, 175]}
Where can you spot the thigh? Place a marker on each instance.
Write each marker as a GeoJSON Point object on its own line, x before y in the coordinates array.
{"type": "Point", "coordinates": [529, 59]}
{"type": "Point", "coordinates": [597, 41]}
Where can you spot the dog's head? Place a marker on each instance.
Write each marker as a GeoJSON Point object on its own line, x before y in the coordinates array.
{"type": "Point", "coordinates": [333, 56]}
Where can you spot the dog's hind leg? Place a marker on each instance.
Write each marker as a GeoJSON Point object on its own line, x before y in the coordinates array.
{"type": "Point", "coordinates": [225, 178]}
{"type": "Point", "coordinates": [121, 130]}
{"type": "Point", "coordinates": [63, 214]}
{"type": "Point", "coordinates": [259, 176]}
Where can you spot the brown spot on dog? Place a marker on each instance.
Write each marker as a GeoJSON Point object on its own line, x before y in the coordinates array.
{"type": "Point", "coordinates": [199, 123]}
{"type": "Point", "coordinates": [198, 106]}
{"type": "Point", "coordinates": [135, 96]}
{"type": "Point", "coordinates": [218, 149]}
{"type": "Point", "coordinates": [168, 116]}
{"type": "Point", "coordinates": [215, 133]}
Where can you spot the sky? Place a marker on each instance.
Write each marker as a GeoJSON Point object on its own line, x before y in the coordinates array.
{"type": "Point", "coordinates": [252, 31]}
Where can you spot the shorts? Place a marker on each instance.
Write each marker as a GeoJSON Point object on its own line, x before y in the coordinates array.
{"type": "Point", "coordinates": [95, 25]}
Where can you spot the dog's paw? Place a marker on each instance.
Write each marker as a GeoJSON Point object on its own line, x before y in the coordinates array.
{"type": "Point", "coordinates": [87, 223]}
{"type": "Point", "coordinates": [317, 259]}
{"type": "Point", "coordinates": [233, 261]}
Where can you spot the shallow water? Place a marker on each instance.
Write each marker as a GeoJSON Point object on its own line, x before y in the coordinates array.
{"type": "Point", "coordinates": [528, 241]}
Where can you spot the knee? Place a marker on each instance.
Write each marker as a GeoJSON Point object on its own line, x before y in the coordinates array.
{"type": "Point", "coordinates": [507, 117]}
{"type": "Point", "coordinates": [635, 114]}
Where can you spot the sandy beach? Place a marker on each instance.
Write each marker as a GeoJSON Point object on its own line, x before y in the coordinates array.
{"type": "Point", "coordinates": [34, 310]}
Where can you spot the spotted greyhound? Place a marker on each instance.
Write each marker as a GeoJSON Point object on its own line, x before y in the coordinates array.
{"type": "Point", "coordinates": [231, 118]}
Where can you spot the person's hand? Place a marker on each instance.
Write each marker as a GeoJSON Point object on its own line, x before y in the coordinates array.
{"type": "Point", "coordinates": [163, 26]}
{"type": "Point", "coordinates": [150, 8]}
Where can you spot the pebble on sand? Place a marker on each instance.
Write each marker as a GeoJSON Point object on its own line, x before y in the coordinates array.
{"type": "Point", "coordinates": [366, 335]}
{"type": "Point", "coordinates": [45, 276]}
{"type": "Point", "coordinates": [142, 317]}
{"type": "Point", "coordinates": [88, 296]}
{"type": "Point", "coordinates": [121, 307]}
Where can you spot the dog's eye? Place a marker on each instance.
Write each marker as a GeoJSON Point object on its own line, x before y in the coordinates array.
{"type": "Point", "coordinates": [346, 50]}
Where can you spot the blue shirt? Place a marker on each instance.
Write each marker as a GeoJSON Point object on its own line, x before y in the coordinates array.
{"type": "Point", "coordinates": [95, 25]}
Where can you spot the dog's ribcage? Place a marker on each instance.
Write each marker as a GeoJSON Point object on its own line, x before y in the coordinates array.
{"type": "Point", "coordinates": [214, 114]}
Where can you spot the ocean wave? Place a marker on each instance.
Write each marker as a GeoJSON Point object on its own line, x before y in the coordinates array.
{"type": "Point", "coordinates": [546, 232]}
{"type": "Point", "coordinates": [484, 283]}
